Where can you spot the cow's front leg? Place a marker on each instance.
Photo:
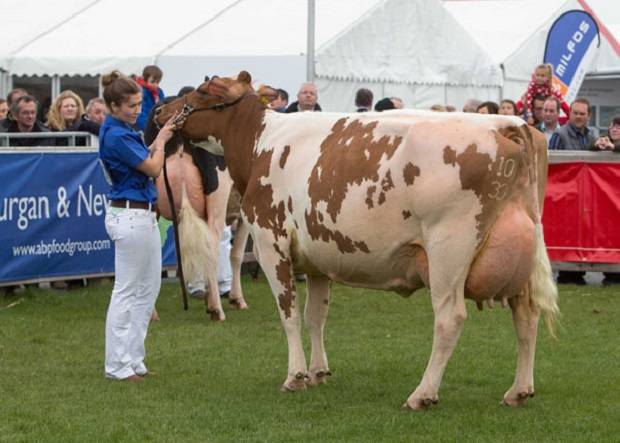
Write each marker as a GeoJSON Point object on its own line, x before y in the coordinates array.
{"type": "Point", "coordinates": [525, 319]}
{"type": "Point", "coordinates": [278, 268]}
{"type": "Point", "coordinates": [236, 260]}
{"type": "Point", "coordinates": [317, 306]}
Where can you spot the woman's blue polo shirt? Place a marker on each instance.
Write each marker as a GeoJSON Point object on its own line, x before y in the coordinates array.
{"type": "Point", "coordinates": [121, 150]}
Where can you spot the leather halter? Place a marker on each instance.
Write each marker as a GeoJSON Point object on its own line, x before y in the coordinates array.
{"type": "Point", "coordinates": [188, 109]}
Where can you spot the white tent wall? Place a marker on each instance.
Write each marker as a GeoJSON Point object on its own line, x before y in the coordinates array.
{"type": "Point", "coordinates": [413, 49]}
{"type": "Point", "coordinates": [286, 72]}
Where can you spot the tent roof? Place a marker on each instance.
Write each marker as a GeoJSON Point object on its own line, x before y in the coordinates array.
{"type": "Point", "coordinates": [107, 34]}
{"type": "Point", "coordinates": [408, 41]}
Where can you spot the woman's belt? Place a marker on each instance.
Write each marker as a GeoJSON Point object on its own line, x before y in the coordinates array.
{"type": "Point", "coordinates": [130, 204]}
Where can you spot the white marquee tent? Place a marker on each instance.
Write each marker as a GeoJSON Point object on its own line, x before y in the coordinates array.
{"type": "Point", "coordinates": [425, 51]}
{"type": "Point", "coordinates": [187, 39]}
{"type": "Point", "coordinates": [413, 49]}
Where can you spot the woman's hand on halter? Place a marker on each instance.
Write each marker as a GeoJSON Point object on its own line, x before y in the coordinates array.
{"type": "Point", "coordinates": [167, 131]}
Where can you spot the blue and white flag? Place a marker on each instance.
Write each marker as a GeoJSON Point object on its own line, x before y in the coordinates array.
{"type": "Point", "coordinates": [572, 42]}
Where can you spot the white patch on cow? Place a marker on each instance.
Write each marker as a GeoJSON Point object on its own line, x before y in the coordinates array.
{"type": "Point", "coordinates": [211, 145]}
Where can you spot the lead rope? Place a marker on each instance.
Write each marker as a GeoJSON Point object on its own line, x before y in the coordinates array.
{"type": "Point", "coordinates": [175, 226]}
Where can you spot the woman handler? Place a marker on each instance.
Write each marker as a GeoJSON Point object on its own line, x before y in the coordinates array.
{"type": "Point", "coordinates": [130, 221]}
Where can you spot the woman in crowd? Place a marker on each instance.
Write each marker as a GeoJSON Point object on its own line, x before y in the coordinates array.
{"type": "Point", "coordinates": [66, 115]}
{"type": "Point", "coordinates": [507, 107]}
{"type": "Point", "coordinates": [611, 141]}
{"type": "Point", "coordinates": [487, 108]}
{"type": "Point", "coordinates": [131, 223]}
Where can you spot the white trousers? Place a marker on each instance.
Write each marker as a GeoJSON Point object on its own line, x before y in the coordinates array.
{"type": "Point", "coordinates": [224, 269]}
{"type": "Point", "coordinates": [137, 267]}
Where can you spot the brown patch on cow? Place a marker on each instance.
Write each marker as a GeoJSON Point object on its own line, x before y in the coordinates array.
{"type": "Point", "coordinates": [410, 172]}
{"type": "Point", "coordinates": [260, 208]}
{"type": "Point", "coordinates": [349, 156]}
{"type": "Point", "coordinates": [362, 246]}
{"type": "Point", "coordinates": [318, 230]}
{"type": "Point", "coordinates": [369, 192]}
{"type": "Point", "coordinates": [284, 156]}
{"type": "Point", "coordinates": [491, 181]}
{"type": "Point", "coordinates": [406, 214]}
{"type": "Point", "coordinates": [290, 204]}
{"type": "Point", "coordinates": [276, 247]}
{"type": "Point", "coordinates": [320, 215]}
{"type": "Point", "coordinates": [286, 299]}
{"type": "Point", "coordinates": [381, 198]}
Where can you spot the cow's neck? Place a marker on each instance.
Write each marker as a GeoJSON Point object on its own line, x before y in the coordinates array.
{"type": "Point", "coordinates": [239, 138]}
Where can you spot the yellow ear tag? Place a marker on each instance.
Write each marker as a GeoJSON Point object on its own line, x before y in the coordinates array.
{"type": "Point", "coordinates": [264, 100]}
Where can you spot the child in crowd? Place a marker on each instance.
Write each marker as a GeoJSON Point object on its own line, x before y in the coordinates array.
{"type": "Point", "coordinates": [542, 84]}
{"type": "Point", "coordinates": [151, 92]}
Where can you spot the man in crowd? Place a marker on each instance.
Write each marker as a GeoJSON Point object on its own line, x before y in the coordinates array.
{"type": "Point", "coordinates": [363, 100]}
{"type": "Point", "coordinates": [551, 113]}
{"type": "Point", "coordinates": [280, 103]}
{"type": "Point", "coordinates": [306, 99]}
{"type": "Point", "coordinates": [96, 110]}
{"type": "Point", "coordinates": [575, 135]}
{"type": "Point", "coordinates": [11, 98]}
{"type": "Point", "coordinates": [24, 119]}
{"type": "Point", "coordinates": [537, 111]}
{"type": "Point", "coordinates": [471, 105]}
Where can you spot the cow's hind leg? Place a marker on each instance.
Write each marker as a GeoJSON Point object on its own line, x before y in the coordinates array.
{"type": "Point", "coordinates": [525, 318]}
{"type": "Point", "coordinates": [448, 266]}
{"type": "Point", "coordinates": [236, 259]}
{"type": "Point", "coordinates": [317, 306]}
{"type": "Point", "coordinates": [278, 268]}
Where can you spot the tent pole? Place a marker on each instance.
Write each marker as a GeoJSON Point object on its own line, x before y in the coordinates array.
{"type": "Point", "coordinates": [310, 42]}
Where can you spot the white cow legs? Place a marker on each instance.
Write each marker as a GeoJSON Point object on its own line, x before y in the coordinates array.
{"type": "Point", "coordinates": [236, 259]}
{"type": "Point", "coordinates": [317, 306]}
{"type": "Point", "coordinates": [279, 271]}
{"type": "Point", "coordinates": [526, 324]}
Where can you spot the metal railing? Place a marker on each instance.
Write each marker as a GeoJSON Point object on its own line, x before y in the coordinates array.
{"type": "Point", "coordinates": [70, 136]}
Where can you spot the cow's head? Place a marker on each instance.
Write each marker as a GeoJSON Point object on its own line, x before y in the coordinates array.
{"type": "Point", "coordinates": [208, 110]}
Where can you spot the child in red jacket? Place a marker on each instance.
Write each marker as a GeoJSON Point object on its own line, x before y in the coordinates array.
{"type": "Point", "coordinates": [542, 84]}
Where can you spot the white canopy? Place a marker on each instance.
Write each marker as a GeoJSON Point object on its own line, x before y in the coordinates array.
{"type": "Point", "coordinates": [188, 39]}
{"type": "Point", "coordinates": [413, 49]}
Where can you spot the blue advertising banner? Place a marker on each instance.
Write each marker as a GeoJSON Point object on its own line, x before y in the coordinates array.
{"type": "Point", "coordinates": [572, 42]}
{"type": "Point", "coordinates": [52, 210]}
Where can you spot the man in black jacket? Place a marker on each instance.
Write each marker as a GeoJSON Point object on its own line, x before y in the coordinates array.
{"type": "Point", "coordinates": [24, 120]}
{"type": "Point", "coordinates": [306, 99]}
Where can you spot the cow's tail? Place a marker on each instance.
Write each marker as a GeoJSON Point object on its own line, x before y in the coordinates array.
{"type": "Point", "coordinates": [542, 287]}
{"type": "Point", "coordinates": [198, 243]}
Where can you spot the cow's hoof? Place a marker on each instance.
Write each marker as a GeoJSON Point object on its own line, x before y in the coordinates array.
{"type": "Point", "coordinates": [420, 404]}
{"type": "Point", "coordinates": [216, 314]}
{"type": "Point", "coordinates": [294, 384]}
{"type": "Point", "coordinates": [317, 378]}
{"type": "Point", "coordinates": [519, 400]}
{"type": "Point", "coordinates": [238, 303]}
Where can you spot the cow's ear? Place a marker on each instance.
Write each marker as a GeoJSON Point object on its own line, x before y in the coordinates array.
{"type": "Point", "coordinates": [217, 87]}
{"type": "Point", "coordinates": [244, 77]}
{"type": "Point", "coordinates": [267, 94]}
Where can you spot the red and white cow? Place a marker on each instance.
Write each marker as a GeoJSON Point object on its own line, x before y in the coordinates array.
{"type": "Point", "coordinates": [201, 187]}
{"type": "Point", "coordinates": [393, 201]}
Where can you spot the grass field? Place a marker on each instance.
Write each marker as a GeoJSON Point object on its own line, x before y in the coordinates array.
{"type": "Point", "coordinates": [220, 382]}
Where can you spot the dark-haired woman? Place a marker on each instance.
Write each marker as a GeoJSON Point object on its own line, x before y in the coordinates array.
{"type": "Point", "coordinates": [130, 221]}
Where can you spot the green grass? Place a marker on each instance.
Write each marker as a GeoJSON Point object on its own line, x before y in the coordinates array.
{"type": "Point", "coordinates": [220, 382]}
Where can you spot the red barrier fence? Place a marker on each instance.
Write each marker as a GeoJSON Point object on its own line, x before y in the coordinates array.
{"type": "Point", "coordinates": [581, 216]}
